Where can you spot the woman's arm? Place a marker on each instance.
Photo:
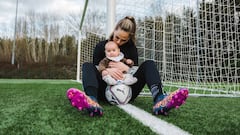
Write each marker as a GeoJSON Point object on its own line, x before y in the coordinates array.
{"type": "Point", "coordinates": [119, 65]}
{"type": "Point", "coordinates": [98, 53]}
{"type": "Point", "coordinates": [115, 73]}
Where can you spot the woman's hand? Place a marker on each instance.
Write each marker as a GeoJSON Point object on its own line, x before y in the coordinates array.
{"type": "Point", "coordinates": [119, 65]}
{"type": "Point", "coordinates": [115, 73]}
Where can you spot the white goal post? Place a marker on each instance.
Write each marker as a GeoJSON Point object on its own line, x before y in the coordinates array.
{"type": "Point", "coordinates": [195, 43]}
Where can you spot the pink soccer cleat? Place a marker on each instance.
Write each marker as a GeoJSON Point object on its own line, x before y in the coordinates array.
{"type": "Point", "coordinates": [81, 101]}
{"type": "Point", "coordinates": [165, 103]}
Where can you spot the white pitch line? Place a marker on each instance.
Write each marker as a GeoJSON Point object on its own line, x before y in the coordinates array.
{"type": "Point", "coordinates": [157, 125]}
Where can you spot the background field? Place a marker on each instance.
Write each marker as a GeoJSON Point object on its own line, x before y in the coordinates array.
{"type": "Point", "coordinates": [41, 107]}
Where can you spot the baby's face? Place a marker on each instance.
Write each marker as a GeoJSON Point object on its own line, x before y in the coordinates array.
{"type": "Point", "coordinates": [112, 50]}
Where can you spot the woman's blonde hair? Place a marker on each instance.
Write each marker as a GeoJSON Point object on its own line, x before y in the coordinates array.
{"type": "Point", "coordinates": [127, 24]}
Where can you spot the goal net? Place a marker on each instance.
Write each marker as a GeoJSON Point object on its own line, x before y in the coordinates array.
{"type": "Point", "coordinates": [194, 43]}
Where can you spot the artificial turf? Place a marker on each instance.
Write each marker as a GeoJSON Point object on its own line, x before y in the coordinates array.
{"type": "Point", "coordinates": [202, 115]}
{"type": "Point", "coordinates": [40, 107]}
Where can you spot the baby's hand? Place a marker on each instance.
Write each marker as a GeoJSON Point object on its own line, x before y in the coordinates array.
{"type": "Point", "coordinates": [129, 61]}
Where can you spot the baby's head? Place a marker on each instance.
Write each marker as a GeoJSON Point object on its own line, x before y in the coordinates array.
{"type": "Point", "coordinates": [111, 49]}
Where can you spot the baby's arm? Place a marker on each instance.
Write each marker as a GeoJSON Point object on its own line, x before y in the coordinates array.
{"type": "Point", "coordinates": [129, 62]}
{"type": "Point", "coordinates": [103, 64]}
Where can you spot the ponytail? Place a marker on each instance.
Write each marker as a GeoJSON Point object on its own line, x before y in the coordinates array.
{"type": "Point", "coordinates": [127, 24]}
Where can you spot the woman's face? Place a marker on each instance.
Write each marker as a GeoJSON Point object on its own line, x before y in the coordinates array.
{"type": "Point", "coordinates": [120, 37]}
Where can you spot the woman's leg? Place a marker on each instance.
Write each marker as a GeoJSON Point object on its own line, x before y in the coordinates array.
{"type": "Point", "coordinates": [147, 73]}
{"type": "Point", "coordinates": [93, 84]}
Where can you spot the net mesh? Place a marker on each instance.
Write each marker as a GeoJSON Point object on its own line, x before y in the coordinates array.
{"type": "Point", "coordinates": [193, 42]}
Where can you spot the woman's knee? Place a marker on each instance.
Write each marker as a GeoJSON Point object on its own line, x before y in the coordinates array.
{"type": "Point", "coordinates": [145, 67]}
{"type": "Point", "coordinates": [148, 63]}
{"type": "Point", "coordinates": [87, 65]}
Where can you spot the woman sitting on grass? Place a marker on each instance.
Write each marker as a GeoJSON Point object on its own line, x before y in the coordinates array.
{"type": "Point", "coordinates": [94, 86]}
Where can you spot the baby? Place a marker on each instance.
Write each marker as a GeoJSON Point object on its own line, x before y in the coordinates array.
{"type": "Point", "coordinates": [113, 53]}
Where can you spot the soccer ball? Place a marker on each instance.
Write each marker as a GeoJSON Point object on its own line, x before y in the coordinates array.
{"type": "Point", "coordinates": [118, 94]}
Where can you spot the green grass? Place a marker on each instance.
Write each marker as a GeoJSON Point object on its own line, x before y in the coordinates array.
{"type": "Point", "coordinates": [202, 115]}
{"type": "Point", "coordinates": [41, 107]}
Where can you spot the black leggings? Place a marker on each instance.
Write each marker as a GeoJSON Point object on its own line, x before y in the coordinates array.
{"type": "Point", "coordinates": [93, 84]}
